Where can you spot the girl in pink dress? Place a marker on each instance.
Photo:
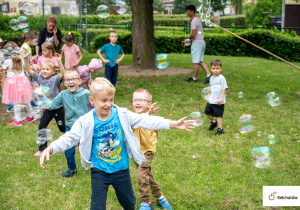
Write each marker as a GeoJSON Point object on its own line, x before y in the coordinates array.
{"type": "Point", "coordinates": [71, 52]}
{"type": "Point", "coordinates": [17, 88]}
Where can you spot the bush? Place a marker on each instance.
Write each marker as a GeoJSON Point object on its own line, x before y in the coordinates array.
{"type": "Point", "coordinates": [283, 45]}
{"type": "Point", "coordinates": [237, 20]}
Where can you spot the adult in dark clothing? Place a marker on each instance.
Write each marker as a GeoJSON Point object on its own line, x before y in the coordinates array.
{"type": "Point", "coordinates": [49, 34]}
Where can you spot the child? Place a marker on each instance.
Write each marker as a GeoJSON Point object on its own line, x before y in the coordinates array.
{"type": "Point", "coordinates": [112, 50]}
{"type": "Point", "coordinates": [28, 40]}
{"type": "Point", "coordinates": [17, 88]}
{"type": "Point", "coordinates": [75, 101]}
{"type": "Point", "coordinates": [48, 53]}
{"type": "Point", "coordinates": [49, 79]}
{"type": "Point", "coordinates": [141, 103]}
{"type": "Point", "coordinates": [104, 133]}
{"type": "Point", "coordinates": [71, 51]}
{"type": "Point", "coordinates": [85, 71]}
{"type": "Point", "coordinates": [215, 108]}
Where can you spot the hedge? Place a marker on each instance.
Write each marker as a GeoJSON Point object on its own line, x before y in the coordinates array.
{"type": "Point", "coordinates": [237, 20]}
{"type": "Point", "coordinates": [284, 45]}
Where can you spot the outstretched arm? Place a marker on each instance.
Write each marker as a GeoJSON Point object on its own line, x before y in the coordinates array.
{"type": "Point", "coordinates": [27, 65]}
{"type": "Point", "coordinates": [61, 66]}
{"type": "Point", "coordinates": [182, 124]}
{"type": "Point", "coordinates": [45, 155]}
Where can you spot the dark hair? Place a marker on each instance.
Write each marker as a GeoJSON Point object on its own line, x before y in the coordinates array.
{"type": "Point", "coordinates": [27, 36]}
{"type": "Point", "coordinates": [190, 7]}
{"type": "Point", "coordinates": [10, 44]}
{"type": "Point", "coordinates": [69, 37]}
{"type": "Point", "coordinates": [216, 62]}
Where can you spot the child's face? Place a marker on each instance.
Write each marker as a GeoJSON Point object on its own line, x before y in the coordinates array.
{"type": "Point", "coordinates": [103, 103]}
{"type": "Point", "coordinates": [69, 44]}
{"type": "Point", "coordinates": [216, 70]}
{"type": "Point", "coordinates": [46, 52]}
{"type": "Point", "coordinates": [91, 69]}
{"type": "Point", "coordinates": [72, 81]}
{"type": "Point", "coordinates": [113, 37]}
{"type": "Point", "coordinates": [141, 102]}
{"type": "Point", "coordinates": [47, 72]}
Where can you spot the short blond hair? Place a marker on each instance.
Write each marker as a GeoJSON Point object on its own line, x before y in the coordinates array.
{"type": "Point", "coordinates": [101, 84]}
{"type": "Point", "coordinates": [141, 90]}
{"type": "Point", "coordinates": [49, 63]}
{"type": "Point", "coordinates": [72, 71]}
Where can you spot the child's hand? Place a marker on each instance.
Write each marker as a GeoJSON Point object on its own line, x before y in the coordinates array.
{"type": "Point", "coordinates": [34, 86]}
{"type": "Point", "coordinates": [220, 101]}
{"type": "Point", "coordinates": [90, 82]}
{"type": "Point", "coordinates": [152, 109]}
{"type": "Point", "coordinates": [182, 124]}
{"type": "Point", "coordinates": [58, 56]}
{"type": "Point", "coordinates": [106, 61]}
{"type": "Point", "coordinates": [74, 66]}
{"type": "Point", "coordinates": [46, 154]}
{"type": "Point", "coordinates": [25, 55]}
{"type": "Point", "coordinates": [117, 61]}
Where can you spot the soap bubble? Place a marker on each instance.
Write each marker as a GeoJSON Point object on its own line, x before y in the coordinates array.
{"type": "Point", "coordinates": [121, 7]}
{"type": "Point", "coordinates": [272, 139]}
{"type": "Point", "coordinates": [246, 124]}
{"type": "Point", "coordinates": [162, 61]}
{"type": "Point", "coordinates": [212, 94]}
{"type": "Point", "coordinates": [240, 94]}
{"type": "Point", "coordinates": [273, 99]}
{"type": "Point", "coordinates": [14, 24]}
{"type": "Point", "coordinates": [258, 133]}
{"type": "Point", "coordinates": [73, 9]}
{"type": "Point", "coordinates": [26, 29]}
{"type": "Point", "coordinates": [43, 136]}
{"type": "Point", "coordinates": [205, 93]}
{"type": "Point", "coordinates": [237, 135]}
{"type": "Point", "coordinates": [37, 112]}
{"type": "Point", "coordinates": [187, 42]}
{"type": "Point", "coordinates": [261, 157]}
{"type": "Point", "coordinates": [42, 97]}
{"type": "Point", "coordinates": [28, 8]}
{"type": "Point", "coordinates": [102, 11]}
{"type": "Point", "coordinates": [63, 185]}
{"type": "Point", "coordinates": [198, 117]}
{"type": "Point", "coordinates": [23, 22]}
{"type": "Point", "coordinates": [35, 41]}
{"type": "Point", "coordinates": [47, 10]}
{"type": "Point", "coordinates": [20, 112]}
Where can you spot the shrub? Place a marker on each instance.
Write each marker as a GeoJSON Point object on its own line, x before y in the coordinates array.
{"type": "Point", "coordinates": [237, 20]}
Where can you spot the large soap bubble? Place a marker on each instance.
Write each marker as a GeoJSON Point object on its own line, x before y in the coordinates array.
{"type": "Point", "coordinates": [273, 99]}
{"type": "Point", "coordinates": [121, 7]}
{"type": "Point", "coordinates": [102, 11]}
{"type": "Point", "coordinates": [212, 93]}
{"type": "Point", "coordinates": [42, 97]}
{"type": "Point", "coordinates": [43, 136]}
{"type": "Point", "coordinates": [262, 157]}
{"type": "Point", "coordinates": [73, 10]}
{"type": "Point", "coordinates": [47, 10]}
{"type": "Point", "coordinates": [20, 112]}
{"type": "Point", "coordinates": [23, 22]}
{"type": "Point", "coordinates": [246, 124]}
{"type": "Point", "coordinates": [28, 8]}
{"type": "Point", "coordinates": [14, 24]}
{"type": "Point", "coordinates": [162, 61]}
{"type": "Point", "coordinates": [198, 117]}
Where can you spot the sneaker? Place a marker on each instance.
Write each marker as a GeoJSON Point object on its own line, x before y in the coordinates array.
{"type": "Point", "coordinates": [213, 125]}
{"type": "Point", "coordinates": [146, 206]}
{"type": "Point", "coordinates": [11, 109]}
{"type": "Point", "coordinates": [30, 119]}
{"type": "Point", "coordinates": [163, 203]}
{"type": "Point", "coordinates": [191, 80]}
{"type": "Point", "coordinates": [69, 173]}
{"type": "Point", "coordinates": [38, 153]}
{"type": "Point", "coordinates": [16, 123]}
{"type": "Point", "coordinates": [219, 132]}
{"type": "Point", "coordinates": [207, 79]}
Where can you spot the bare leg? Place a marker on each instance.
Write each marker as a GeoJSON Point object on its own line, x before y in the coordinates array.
{"type": "Point", "coordinates": [210, 117]}
{"type": "Point", "coordinates": [220, 122]}
{"type": "Point", "coordinates": [196, 70]}
{"type": "Point", "coordinates": [204, 67]}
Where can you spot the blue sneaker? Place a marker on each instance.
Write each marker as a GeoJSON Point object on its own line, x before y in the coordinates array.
{"type": "Point", "coordinates": [146, 206]}
{"type": "Point", "coordinates": [163, 203]}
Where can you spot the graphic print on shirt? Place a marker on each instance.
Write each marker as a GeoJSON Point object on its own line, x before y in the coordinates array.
{"type": "Point", "coordinates": [50, 39]}
{"type": "Point", "coordinates": [109, 147]}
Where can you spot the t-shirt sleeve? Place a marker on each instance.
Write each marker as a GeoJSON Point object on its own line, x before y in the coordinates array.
{"type": "Point", "coordinates": [63, 47]}
{"type": "Point", "coordinates": [102, 49]}
{"type": "Point", "coordinates": [76, 48]}
{"type": "Point", "coordinates": [194, 24]}
{"type": "Point", "coordinates": [36, 76]}
{"type": "Point", "coordinates": [121, 50]}
{"type": "Point", "coordinates": [224, 83]}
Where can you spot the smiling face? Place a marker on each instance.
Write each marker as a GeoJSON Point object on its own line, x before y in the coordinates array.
{"type": "Point", "coordinates": [72, 81]}
{"type": "Point", "coordinates": [216, 70]}
{"type": "Point", "coordinates": [141, 102]}
{"type": "Point", "coordinates": [103, 103]}
{"type": "Point", "coordinates": [47, 71]}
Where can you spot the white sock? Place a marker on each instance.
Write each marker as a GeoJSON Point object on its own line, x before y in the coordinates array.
{"type": "Point", "coordinates": [161, 197]}
{"type": "Point", "coordinates": [208, 75]}
{"type": "Point", "coordinates": [194, 78]}
{"type": "Point", "coordinates": [214, 121]}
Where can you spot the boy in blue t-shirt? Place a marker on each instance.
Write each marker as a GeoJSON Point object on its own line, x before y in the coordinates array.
{"type": "Point", "coordinates": [112, 50]}
{"type": "Point", "coordinates": [106, 142]}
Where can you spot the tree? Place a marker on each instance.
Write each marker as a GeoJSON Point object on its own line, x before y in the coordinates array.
{"type": "Point", "coordinates": [158, 6]}
{"type": "Point", "coordinates": [143, 46]}
{"type": "Point", "coordinates": [259, 13]}
{"type": "Point", "coordinates": [179, 5]}
{"type": "Point", "coordinates": [238, 6]}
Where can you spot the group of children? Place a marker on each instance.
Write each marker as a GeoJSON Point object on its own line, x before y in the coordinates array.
{"type": "Point", "coordinates": [107, 135]}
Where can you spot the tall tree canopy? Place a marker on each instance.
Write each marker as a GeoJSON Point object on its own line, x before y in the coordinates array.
{"type": "Point", "coordinates": [179, 5]}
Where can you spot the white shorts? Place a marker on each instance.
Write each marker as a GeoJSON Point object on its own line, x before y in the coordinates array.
{"type": "Point", "coordinates": [197, 51]}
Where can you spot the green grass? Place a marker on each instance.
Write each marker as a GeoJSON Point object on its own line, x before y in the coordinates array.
{"type": "Point", "coordinates": [221, 176]}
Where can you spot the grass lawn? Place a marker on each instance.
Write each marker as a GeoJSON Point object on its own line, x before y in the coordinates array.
{"type": "Point", "coordinates": [196, 170]}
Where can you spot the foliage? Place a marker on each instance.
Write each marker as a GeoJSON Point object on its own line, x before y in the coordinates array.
{"type": "Point", "coordinates": [179, 5]}
{"type": "Point", "coordinates": [237, 20]}
{"type": "Point", "coordinates": [284, 45]}
{"type": "Point", "coordinates": [218, 5]}
{"type": "Point", "coordinates": [259, 13]}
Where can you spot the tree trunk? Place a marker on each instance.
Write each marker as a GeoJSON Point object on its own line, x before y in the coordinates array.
{"type": "Point", "coordinates": [238, 7]}
{"type": "Point", "coordinates": [143, 46]}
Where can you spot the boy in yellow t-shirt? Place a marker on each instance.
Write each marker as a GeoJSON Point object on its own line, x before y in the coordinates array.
{"type": "Point", "coordinates": [142, 104]}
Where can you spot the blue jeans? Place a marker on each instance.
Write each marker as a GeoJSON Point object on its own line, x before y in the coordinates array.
{"type": "Point", "coordinates": [120, 181]}
{"type": "Point", "coordinates": [70, 154]}
{"type": "Point", "coordinates": [111, 73]}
